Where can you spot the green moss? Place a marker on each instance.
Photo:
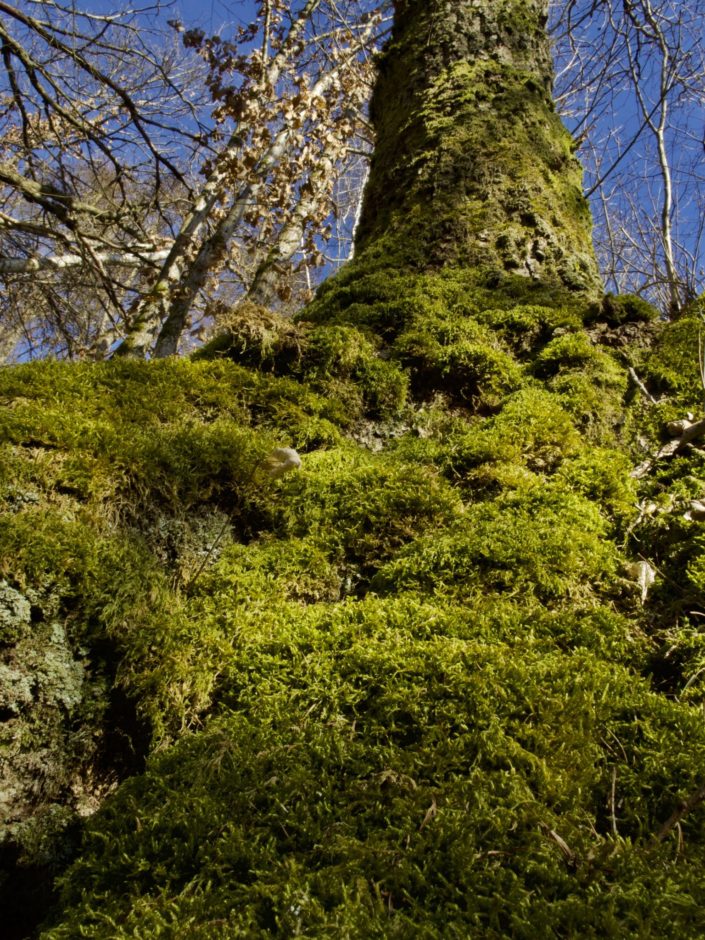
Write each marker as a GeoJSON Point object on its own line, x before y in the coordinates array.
{"type": "Point", "coordinates": [344, 355]}
{"type": "Point", "coordinates": [526, 327]}
{"type": "Point", "coordinates": [362, 508]}
{"type": "Point", "coordinates": [590, 383]}
{"type": "Point", "coordinates": [564, 352]}
{"type": "Point", "coordinates": [626, 308]}
{"type": "Point", "coordinates": [602, 475]}
{"type": "Point", "coordinates": [359, 682]}
{"type": "Point", "coordinates": [425, 757]}
{"type": "Point", "coordinates": [545, 541]}
{"type": "Point", "coordinates": [459, 357]}
{"type": "Point", "coordinates": [672, 366]}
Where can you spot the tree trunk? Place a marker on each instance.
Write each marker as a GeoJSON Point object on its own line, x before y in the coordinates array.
{"type": "Point", "coordinates": [472, 165]}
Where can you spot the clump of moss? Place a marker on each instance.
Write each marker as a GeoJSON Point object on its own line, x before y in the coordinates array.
{"type": "Point", "coordinates": [363, 508]}
{"type": "Point", "coordinates": [532, 429]}
{"type": "Point", "coordinates": [590, 382]}
{"type": "Point", "coordinates": [603, 475]}
{"type": "Point", "coordinates": [376, 774]}
{"type": "Point", "coordinates": [345, 360]}
{"type": "Point", "coordinates": [525, 327]}
{"type": "Point", "coordinates": [341, 362]}
{"type": "Point", "coordinates": [459, 357]}
{"type": "Point", "coordinates": [672, 366]}
{"type": "Point", "coordinates": [546, 541]}
{"type": "Point", "coordinates": [618, 309]}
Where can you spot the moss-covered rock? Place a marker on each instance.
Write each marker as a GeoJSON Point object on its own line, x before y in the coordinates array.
{"type": "Point", "coordinates": [384, 772]}
{"type": "Point", "coordinates": [380, 672]}
{"type": "Point", "coordinates": [619, 309]}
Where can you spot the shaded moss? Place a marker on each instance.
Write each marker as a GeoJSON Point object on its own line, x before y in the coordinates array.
{"type": "Point", "coordinates": [672, 366]}
{"type": "Point", "coordinates": [626, 308]}
{"type": "Point", "coordinates": [425, 758]}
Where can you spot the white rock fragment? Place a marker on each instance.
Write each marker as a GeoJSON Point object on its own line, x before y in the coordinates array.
{"type": "Point", "coordinates": [644, 575]}
{"type": "Point", "coordinates": [696, 512]}
{"type": "Point", "coordinates": [281, 461]}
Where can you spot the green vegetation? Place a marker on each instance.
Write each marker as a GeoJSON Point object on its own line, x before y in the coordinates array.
{"type": "Point", "coordinates": [445, 680]}
{"type": "Point", "coordinates": [405, 691]}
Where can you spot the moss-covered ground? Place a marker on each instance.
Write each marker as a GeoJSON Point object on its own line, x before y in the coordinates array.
{"type": "Point", "coordinates": [410, 690]}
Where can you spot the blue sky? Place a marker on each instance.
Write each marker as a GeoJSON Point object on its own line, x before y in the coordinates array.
{"type": "Point", "coordinates": [210, 15]}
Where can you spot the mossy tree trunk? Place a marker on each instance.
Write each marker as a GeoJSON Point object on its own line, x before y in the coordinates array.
{"type": "Point", "coordinates": [472, 165]}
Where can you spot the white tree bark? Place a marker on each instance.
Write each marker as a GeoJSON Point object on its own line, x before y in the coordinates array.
{"type": "Point", "coordinates": [129, 258]}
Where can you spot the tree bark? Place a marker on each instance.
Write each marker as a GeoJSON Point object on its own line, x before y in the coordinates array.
{"type": "Point", "coordinates": [472, 166]}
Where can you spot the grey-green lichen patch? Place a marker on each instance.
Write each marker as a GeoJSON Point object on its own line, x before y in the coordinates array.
{"type": "Point", "coordinates": [44, 701]}
{"type": "Point", "coordinates": [14, 614]}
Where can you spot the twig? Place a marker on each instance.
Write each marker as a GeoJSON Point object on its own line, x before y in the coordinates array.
{"type": "Point", "coordinates": [693, 431]}
{"type": "Point", "coordinates": [640, 385]}
{"type": "Point", "coordinates": [683, 808]}
{"type": "Point", "coordinates": [569, 856]}
{"type": "Point", "coordinates": [189, 584]}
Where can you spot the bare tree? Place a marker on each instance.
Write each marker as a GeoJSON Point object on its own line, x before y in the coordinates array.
{"type": "Point", "coordinates": [128, 214]}
{"type": "Point", "coordinates": [294, 108]}
{"type": "Point", "coordinates": [152, 176]}
{"type": "Point", "coordinates": [95, 126]}
{"type": "Point", "coordinates": [631, 85]}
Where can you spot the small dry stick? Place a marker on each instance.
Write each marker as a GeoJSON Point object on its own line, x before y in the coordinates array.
{"type": "Point", "coordinates": [691, 433]}
{"type": "Point", "coordinates": [683, 808]}
{"type": "Point", "coordinates": [640, 385]}
{"type": "Point", "coordinates": [613, 794]}
{"type": "Point", "coordinates": [568, 855]}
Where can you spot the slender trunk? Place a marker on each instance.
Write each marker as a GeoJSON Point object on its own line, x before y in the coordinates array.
{"type": "Point", "coordinates": [212, 249]}
{"type": "Point", "coordinates": [157, 307]}
{"type": "Point", "coordinates": [658, 126]}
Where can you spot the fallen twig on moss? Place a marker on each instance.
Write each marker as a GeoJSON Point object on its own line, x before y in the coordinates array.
{"type": "Point", "coordinates": [691, 433]}
{"type": "Point", "coordinates": [640, 385]}
{"type": "Point", "coordinates": [684, 807]}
